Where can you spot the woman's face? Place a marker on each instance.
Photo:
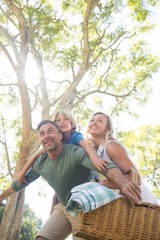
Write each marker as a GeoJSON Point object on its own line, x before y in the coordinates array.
{"type": "Point", "coordinates": [64, 123]}
{"type": "Point", "coordinates": [97, 125]}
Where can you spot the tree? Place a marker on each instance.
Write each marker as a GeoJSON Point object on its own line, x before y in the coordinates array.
{"type": "Point", "coordinates": [1, 210]}
{"type": "Point", "coordinates": [148, 148]}
{"type": "Point", "coordinates": [84, 41]}
{"type": "Point", "coordinates": [144, 145]}
{"type": "Point", "coordinates": [30, 223]}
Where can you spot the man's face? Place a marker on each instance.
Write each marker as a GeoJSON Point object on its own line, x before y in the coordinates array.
{"type": "Point", "coordinates": [50, 137]}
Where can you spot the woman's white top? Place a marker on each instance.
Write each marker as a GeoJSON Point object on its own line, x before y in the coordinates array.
{"type": "Point", "coordinates": [147, 195]}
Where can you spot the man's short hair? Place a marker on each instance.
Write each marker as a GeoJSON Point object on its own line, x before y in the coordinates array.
{"type": "Point", "coordinates": [46, 122]}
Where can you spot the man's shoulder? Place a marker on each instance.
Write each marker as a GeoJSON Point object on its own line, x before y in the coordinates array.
{"type": "Point", "coordinates": [74, 152]}
{"type": "Point", "coordinates": [42, 157]}
{"type": "Point", "coordinates": [72, 147]}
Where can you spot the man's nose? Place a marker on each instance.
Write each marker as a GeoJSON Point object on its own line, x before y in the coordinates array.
{"type": "Point", "coordinates": [46, 135]}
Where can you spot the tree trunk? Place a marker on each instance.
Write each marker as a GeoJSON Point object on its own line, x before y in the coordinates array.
{"type": "Point", "coordinates": [12, 217]}
{"type": "Point", "coordinates": [13, 212]}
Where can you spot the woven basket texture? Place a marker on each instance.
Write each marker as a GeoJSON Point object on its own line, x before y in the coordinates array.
{"type": "Point", "coordinates": [119, 220]}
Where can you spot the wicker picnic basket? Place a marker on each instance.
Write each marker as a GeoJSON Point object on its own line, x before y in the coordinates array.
{"type": "Point", "coordinates": [119, 220]}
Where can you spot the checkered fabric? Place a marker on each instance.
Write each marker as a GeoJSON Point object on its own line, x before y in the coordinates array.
{"type": "Point", "coordinates": [89, 196]}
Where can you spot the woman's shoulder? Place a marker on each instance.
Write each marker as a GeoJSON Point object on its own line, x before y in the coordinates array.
{"type": "Point", "coordinates": [114, 145]}
{"type": "Point", "coordinates": [114, 142]}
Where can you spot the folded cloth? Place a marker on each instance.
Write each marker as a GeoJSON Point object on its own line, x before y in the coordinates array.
{"type": "Point", "coordinates": [89, 196]}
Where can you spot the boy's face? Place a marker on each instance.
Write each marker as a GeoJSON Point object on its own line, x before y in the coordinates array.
{"type": "Point", "coordinates": [64, 123]}
{"type": "Point", "coordinates": [50, 137]}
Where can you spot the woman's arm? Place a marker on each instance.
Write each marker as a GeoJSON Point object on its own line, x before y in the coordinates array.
{"type": "Point", "coordinates": [99, 163]}
{"type": "Point", "coordinates": [29, 163]}
{"type": "Point", "coordinates": [119, 156]}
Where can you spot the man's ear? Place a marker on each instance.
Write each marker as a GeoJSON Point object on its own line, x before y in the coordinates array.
{"type": "Point", "coordinates": [61, 135]}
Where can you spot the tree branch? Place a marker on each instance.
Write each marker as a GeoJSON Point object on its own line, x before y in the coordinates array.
{"type": "Point", "coordinates": [4, 143]}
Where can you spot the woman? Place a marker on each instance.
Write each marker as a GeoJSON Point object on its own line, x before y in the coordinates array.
{"type": "Point", "coordinates": [100, 135]}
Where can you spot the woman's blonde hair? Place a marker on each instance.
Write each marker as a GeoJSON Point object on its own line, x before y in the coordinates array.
{"type": "Point", "coordinates": [108, 134]}
{"type": "Point", "coordinates": [67, 115]}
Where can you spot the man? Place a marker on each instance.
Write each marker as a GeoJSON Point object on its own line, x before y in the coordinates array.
{"type": "Point", "coordinates": [64, 167]}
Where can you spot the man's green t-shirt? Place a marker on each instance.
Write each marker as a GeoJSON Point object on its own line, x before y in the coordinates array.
{"type": "Point", "coordinates": [71, 168]}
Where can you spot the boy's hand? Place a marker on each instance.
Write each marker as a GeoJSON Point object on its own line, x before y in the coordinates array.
{"type": "Point", "coordinates": [100, 164]}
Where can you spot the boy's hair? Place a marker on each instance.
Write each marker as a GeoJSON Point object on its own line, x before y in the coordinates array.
{"type": "Point", "coordinates": [66, 114]}
{"type": "Point", "coordinates": [46, 122]}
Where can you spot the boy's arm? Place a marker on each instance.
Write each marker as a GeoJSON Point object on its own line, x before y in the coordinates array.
{"type": "Point", "coordinates": [6, 193]}
{"type": "Point", "coordinates": [31, 176]}
{"type": "Point", "coordinates": [29, 163]}
{"type": "Point", "coordinates": [99, 163]}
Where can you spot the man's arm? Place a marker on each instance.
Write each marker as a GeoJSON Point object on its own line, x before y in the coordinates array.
{"type": "Point", "coordinates": [15, 187]}
{"type": "Point", "coordinates": [129, 188]}
{"type": "Point", "coordinates": [6, 193]}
